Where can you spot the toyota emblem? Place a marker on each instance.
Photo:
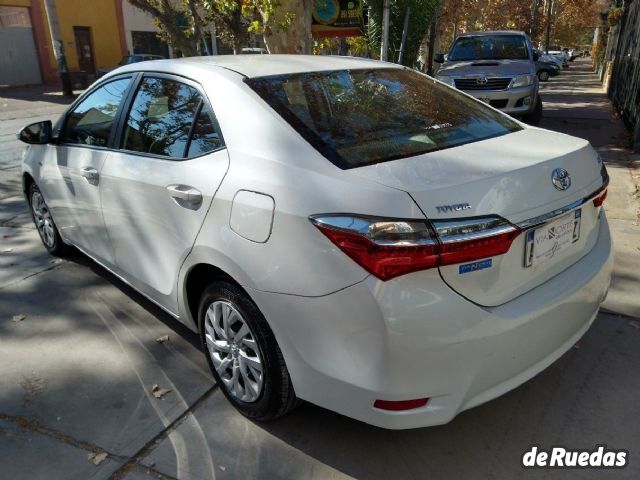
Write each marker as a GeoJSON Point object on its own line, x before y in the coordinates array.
{"type": "Point", "coordinates": [561, 179]}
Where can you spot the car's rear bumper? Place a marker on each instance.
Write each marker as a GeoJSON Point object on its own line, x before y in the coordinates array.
{"type": "Point", "coordinates": [413, 337]}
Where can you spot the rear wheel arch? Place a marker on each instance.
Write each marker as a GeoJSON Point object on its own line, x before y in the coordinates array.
{"type": "Point", "coordinates": [261, 388]}
{"type": "Point", "coordinates": [196, 281]}
{"type": "Point", "coordinates": [204, 280]}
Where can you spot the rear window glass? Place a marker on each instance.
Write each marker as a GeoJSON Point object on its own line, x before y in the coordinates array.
{"type": "Point", "coordinates": [363, 117]}
{"type": "Point", "coordinates": [494, 47]}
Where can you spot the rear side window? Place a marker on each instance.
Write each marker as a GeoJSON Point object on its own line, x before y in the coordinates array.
{"type": "Point", "coordinates": [363, 117]}
{"type": "Point", "coordinates": [161, 117]}
{"type": "Point", "coordinates": [91, 121]}
{"type": "Point", "coordinates": [204, 137]}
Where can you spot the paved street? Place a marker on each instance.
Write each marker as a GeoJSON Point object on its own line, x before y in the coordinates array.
{"type": "Point", "coordinates": [79, 356]}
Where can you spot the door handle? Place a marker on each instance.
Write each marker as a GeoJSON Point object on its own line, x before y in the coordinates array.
{"type": "Point", "coordinates": [90, 174]}
{"type": "Point", "coordinates": [185, 193]}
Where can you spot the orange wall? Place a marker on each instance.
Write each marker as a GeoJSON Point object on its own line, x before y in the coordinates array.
{"type": "Point", "coordinates": [101, 17]}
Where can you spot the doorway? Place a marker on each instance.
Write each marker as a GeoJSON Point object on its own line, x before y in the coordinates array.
{"type": "Point", "coordinates": [84, 49]}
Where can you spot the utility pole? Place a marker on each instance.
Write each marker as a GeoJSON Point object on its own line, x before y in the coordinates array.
{"type": "Point", "coordinates": [405, 30]}
{"type": "Point", "coordinates": [58, 46]}
{"type": "Point", "coordinates": [549, 21]}
{"type": "Point", "coordinates": [384, 44]}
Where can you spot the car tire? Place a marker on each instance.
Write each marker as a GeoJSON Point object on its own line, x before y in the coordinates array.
{"type": "Point", "coordinates": [543, 75]}
{"type": "Point", "coordinates": [42, 219]}
{"type": "Point", "coordinates": [535, 116]}
{"type": "Point", "coordinates": [243, 354]}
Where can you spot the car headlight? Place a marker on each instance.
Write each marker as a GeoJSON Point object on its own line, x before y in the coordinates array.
{"type": "Point", "coordinates": [523, 81]}
{"type": "Point", "coordinates": [448, 80]}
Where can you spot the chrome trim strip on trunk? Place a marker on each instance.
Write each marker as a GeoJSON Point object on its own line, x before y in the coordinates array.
{"type": "Point", "coordinates": [544, 218]}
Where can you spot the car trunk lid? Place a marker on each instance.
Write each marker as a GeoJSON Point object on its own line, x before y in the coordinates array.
{"type": "Point", "coordinates": [511, 177]}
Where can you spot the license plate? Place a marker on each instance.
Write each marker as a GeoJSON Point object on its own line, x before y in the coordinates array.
{"type": "Point", "coordinates": [546, 242]}
{"type": "Point", "coordinates": [484, 99]}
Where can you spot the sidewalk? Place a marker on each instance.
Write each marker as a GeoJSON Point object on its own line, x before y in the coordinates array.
{"type": "Point", "coordinates": [575, 103]}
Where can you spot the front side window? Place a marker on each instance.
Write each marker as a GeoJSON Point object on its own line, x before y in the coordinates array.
{"type": "Point", "coordinates": [92, 120]}
{"type": "Point", "coordinates": [161, 117]}
{"type": "Point", "coordinates": [494, 47]}
{"type": "Point", "coordinates": [364, 117]}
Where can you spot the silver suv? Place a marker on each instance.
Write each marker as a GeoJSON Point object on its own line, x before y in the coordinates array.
{"type": "Point", "coordinates": [496, 67]}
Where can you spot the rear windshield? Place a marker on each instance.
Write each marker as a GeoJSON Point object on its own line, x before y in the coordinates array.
{"type": "Point", "coordinates": [363, 117]}
{"type": "Point", "coordinates": [494, 47]}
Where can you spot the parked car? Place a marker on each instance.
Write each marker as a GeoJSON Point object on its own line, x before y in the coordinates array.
{"type": "Point", "coordinates": [560, 51]}
{"type": "Point", "coordinates": [254, 51]}
{"type": "Point", "coordinates": [558, 60]}
{"type": "Point", "coordinates": [129, 59]}
{"type": "Point", "coordinates": [545, 70]}
{"type": "Point", "coordinates": [329, 237]}
{"type": "Point", "coordinates": [497, 67]}
{"type": "Point", "coordinates": [555, 59]}
{"type": "Point", "coordinates": [561, 54]}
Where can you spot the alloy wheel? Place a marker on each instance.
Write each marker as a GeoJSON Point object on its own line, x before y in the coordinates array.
{"type": "Point", "coordinates": [234, 352]}
{"type": "Point", "coordinates": [43, 220]}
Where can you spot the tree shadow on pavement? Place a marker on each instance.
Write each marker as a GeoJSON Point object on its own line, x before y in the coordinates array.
{"type": "Point", "coordinates": [36, 93]}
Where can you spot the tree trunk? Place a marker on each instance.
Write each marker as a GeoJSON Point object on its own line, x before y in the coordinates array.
{"type": "Point", "coordinates": [432, 43]}
{"type": "Point", "coordinates": [197, 26]}
{"type": "Point", "coordinates": [295, 37]}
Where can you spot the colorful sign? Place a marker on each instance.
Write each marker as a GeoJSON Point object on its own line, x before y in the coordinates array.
{"type": "Point", "coordinates": [337, 18]}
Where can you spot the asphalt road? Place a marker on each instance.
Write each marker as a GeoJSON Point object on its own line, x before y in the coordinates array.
{"type": "Point", "coordinates": [79, 356]}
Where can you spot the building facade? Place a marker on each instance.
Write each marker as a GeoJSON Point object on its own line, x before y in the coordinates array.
{"type": "Point", "coordinates": [92, 34]}
{"type": "Point", "coordinates": [140, 33]}
{"type": "Point", "coordinates": [96, 34]}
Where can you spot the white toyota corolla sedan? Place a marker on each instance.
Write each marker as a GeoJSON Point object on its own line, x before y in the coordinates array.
{"type": "Point", "coordinates": [344, 231]}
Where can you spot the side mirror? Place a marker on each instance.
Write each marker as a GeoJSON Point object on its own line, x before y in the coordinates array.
{"type": "Point", "coordinates": [438, 58]}
{"type": "Point", "coordinates": [36, 133]}
{"type": "Point", "coordinates": [536, 56]}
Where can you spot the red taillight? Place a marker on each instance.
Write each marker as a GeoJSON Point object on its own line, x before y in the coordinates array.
{"type": "Point", "coordinates": [469, 250]}
{"type": "Point", "coordinates": [385, 262]}
{"type": "Point", "coordinates": [599, 200]}
{"type": "Point", "coordinates": [390, 248]}
{"type": "Point", "coordinates": [398, 405]}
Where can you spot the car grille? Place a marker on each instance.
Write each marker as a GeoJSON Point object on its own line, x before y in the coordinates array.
{"type": "Point", "coordinates": [498, 83]}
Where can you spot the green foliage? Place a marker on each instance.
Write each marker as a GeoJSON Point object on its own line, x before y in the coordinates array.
{"type": "Point", "coordinates": [420, 17]}
{"type": "Point", "coordinates": [267, 18]}
{"type": "Point", "coordinates": [615, 14]}
{"type": "Point", "coordinates": [232, 26]}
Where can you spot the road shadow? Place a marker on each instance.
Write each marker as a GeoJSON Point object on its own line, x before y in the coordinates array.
{"type": "Point", "coordinates": [37, 93]}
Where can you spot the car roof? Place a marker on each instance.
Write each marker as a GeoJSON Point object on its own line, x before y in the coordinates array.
{"type": "Point", "coordinates": [492, 32]}
{"type": "Point", "coordinates": [259, 65]}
